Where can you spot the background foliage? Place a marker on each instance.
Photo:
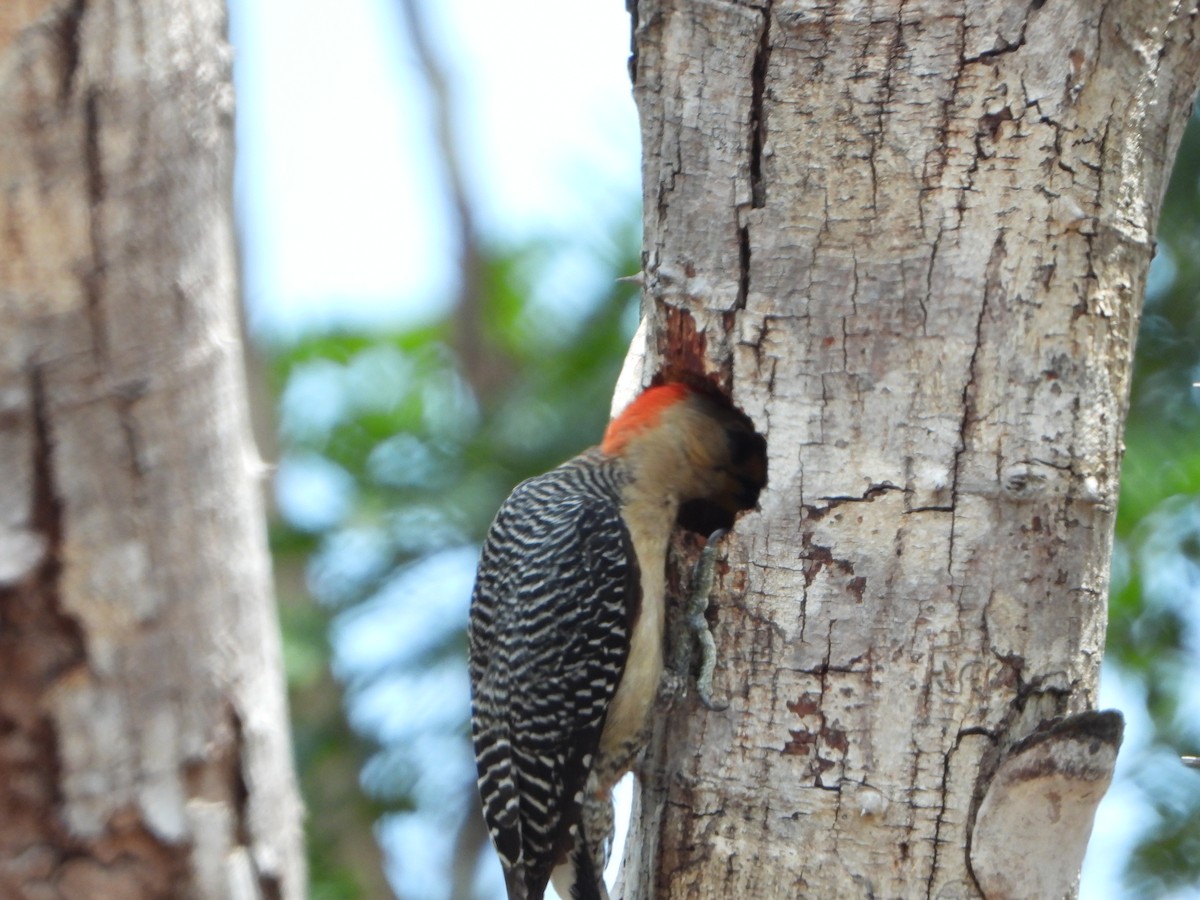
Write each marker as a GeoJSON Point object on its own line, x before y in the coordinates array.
{"type": "Point", "coordinates": [1154, 605]}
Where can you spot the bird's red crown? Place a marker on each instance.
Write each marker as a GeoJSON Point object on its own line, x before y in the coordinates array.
{"type": "Point", "coordinates": [644, 412]}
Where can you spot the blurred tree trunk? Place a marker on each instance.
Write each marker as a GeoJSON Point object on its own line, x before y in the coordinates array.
{"type": "Point", "coordinates": [912, 237]}
{"type": "Point", "coordinates": [144, 747]}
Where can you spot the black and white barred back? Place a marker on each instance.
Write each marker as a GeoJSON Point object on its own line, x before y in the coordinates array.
{"type": "Point", "coordinates": [554, 605]}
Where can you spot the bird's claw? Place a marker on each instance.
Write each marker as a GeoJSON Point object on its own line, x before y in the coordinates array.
{"type": "Point", "coordinates": [697, 622]}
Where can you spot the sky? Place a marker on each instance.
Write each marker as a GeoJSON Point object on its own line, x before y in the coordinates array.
{"type": "Point", "coordinates": [338, 188]}
{"type": "Point", "coordinates": [340, 205]}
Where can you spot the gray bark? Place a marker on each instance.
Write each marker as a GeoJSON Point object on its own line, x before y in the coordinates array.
{"type": "Point", "coordinates": [144, 746]}
{"type": "Point", "coordinates": [912, 238]}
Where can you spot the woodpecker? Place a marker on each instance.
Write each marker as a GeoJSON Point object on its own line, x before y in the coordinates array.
{"type": "Point", "coordinates": [567, 620]}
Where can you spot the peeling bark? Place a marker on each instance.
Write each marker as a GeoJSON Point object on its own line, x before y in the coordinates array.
{"type": "Point", "coordinates": [912, 239]}
{"type": "Point", "coordinates": [144, 749]}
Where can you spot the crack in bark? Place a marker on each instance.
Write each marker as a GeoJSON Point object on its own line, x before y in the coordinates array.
{"type": "Point", "coordinates": [1005, 47]}
{"type": "Point", "coordinates": [923, 301]}
{"type": "Point", "coordinates": [931, 179]}
{"type": "Point", "coordinates": [894, 63]}
{"type": "Point", "coordinates": [743, 267]}
{"type": "Point", "coordinates": [977, 794]}
{"type": "Point", "coordinates": [1091, 277]}
{"type": "Point", "coordinates": [991, 284]}
{"type": "Point", "coordinates": [816, 513]}
{"type": "Point", "coordinates": [947, 758]}
{"type": "Point", "coordinates": [854, 285]}
{"type": "Point", "coordinates": [802, 740]}
{"type": "Point", "coordinates": [46, 514]}
{"type": "Point", "coordinates": [220, 777]}
{"type": "Point", "coordinates": [758, 123]}
{"type": "Point", "coordinates": [125, 396]}
{"type": "Point", "coordinates": [944, 790]}
{"type": "Point", "coordinates": [93, 278]}
{"type": "Point", "coordinates": [914, 772]}
{"type": "Point", "coordinates": [67, 30]}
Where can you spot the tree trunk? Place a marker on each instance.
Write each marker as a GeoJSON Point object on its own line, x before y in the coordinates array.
{"type": "Point", "coordinates": [144, 748]}
{"type": "Point", "coordinates": [912, 238]}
